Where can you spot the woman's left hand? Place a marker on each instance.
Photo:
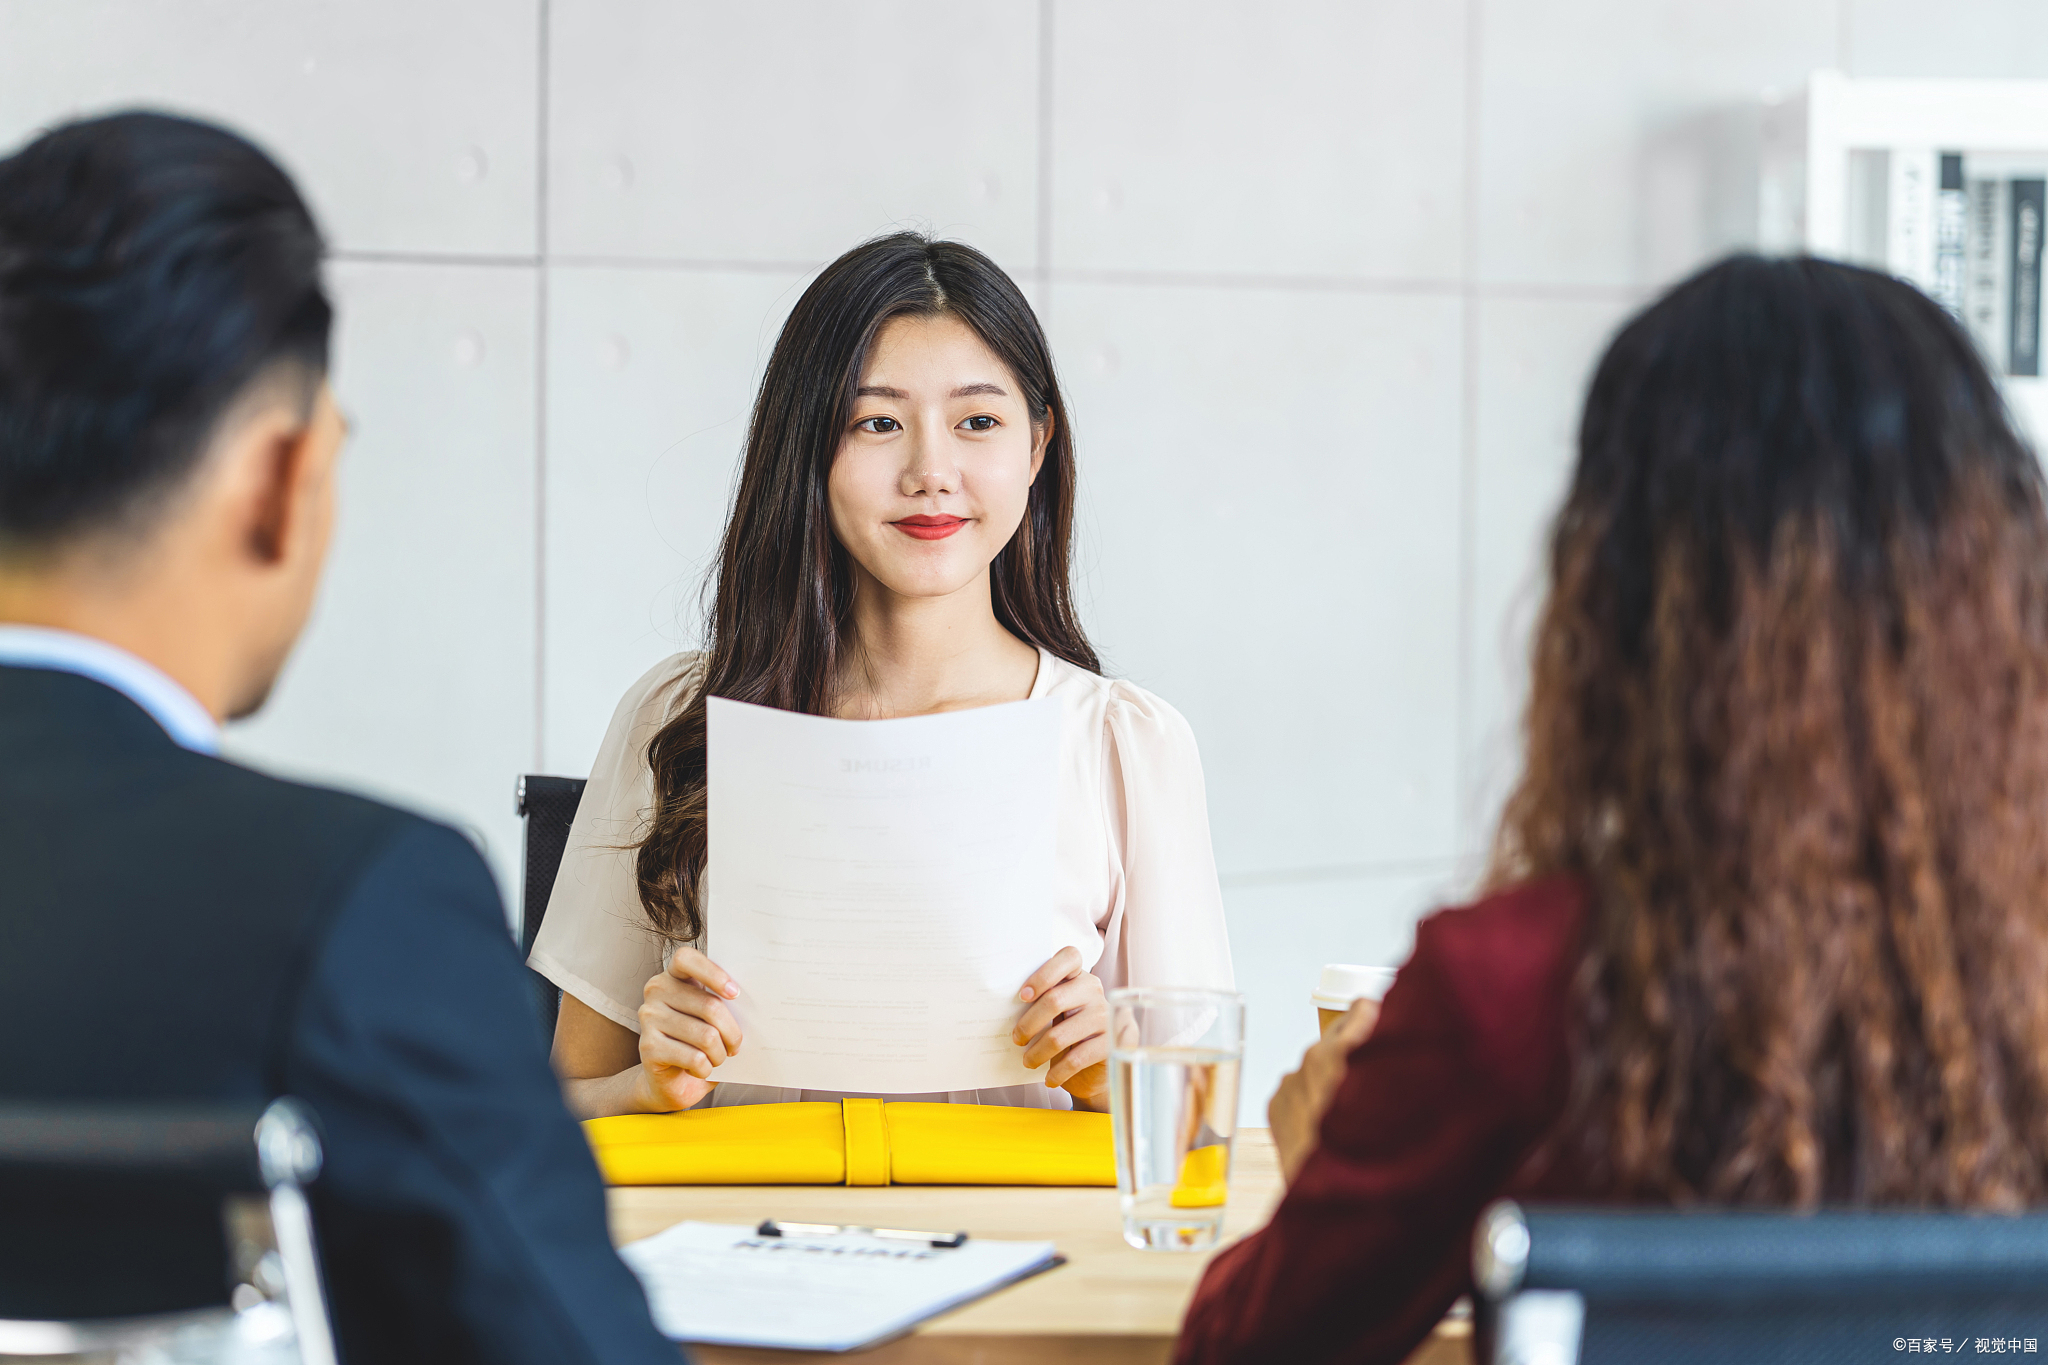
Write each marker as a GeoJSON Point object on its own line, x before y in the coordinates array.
{"type": "Point", "coordinates": [1067, 1026]}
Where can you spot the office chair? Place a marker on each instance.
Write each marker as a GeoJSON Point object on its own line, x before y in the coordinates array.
{"type": "Point", "coordinates": [547, 805]}
{"type": "Point", "coordinates": [115, 1206]}
{"type": "Point", "coordinates": [1598, 1287]}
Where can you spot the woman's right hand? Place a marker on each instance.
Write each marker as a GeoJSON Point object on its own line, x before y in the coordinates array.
{"type": "Point", "coordinates": [686, 1031]}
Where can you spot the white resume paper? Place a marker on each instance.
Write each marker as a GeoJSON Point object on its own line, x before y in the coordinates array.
{"type": "Point", "coordinates": [730, 1286]}
{"type": "Point", "coordinates": [880, 889]}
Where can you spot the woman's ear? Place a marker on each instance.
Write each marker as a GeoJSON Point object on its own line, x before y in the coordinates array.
{"type": "Point", "coordinates": [1041, 438]}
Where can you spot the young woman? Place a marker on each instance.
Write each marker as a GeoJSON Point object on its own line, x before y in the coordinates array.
{"type": "Point", "coordinates": [1770, 908]}
{"type": "Point", "coordinates": [898, 547]}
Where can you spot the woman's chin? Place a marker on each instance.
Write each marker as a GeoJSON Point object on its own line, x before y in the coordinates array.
{"type": "Point", "coordinates": [931, 570]}
{"type": "Point", "coordinates": [926, 587]}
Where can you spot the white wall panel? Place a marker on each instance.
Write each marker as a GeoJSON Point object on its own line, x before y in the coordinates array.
{"type": "Point", "coordinates": [788, 130]}
{"type": "Point", "coordinates": [415, 681]}
{"type": "Point", "coordinates": [1269, 506]}
{"type": "Point", "coordinates": [412, 127]}
{"type": "Point", "coordinates": [1995, 38]}
{"type": "Point", "coordinates": [1535, 359]}
{"type": "Point", "coordinates": [1283, 931]}
{"type": "Point", "coordinates": [1616, 137]}
{"type": "Point", "coordinates": [1324, 138]}
{"type": "Point", "coordinates": [651, 375]}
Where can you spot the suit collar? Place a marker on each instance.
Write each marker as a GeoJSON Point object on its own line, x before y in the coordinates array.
{"type": "Point", "coordinates": [163, 700]}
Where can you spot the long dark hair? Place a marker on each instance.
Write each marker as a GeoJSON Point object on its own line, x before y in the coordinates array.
{"type": "Point", "coordinates": [782, 604]}
{"type": "Point", "coordinates": [1789, 726]}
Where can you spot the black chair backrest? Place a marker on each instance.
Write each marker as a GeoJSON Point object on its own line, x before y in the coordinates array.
{"type": "Point", "coordinates": [548, 806]}
{"type": "Point", "coordinates": [213, 1145]}
{"type": "Point", "coordinates": [1684, 1287]}
{"type": "Point", "coordinates": [115, 1210]}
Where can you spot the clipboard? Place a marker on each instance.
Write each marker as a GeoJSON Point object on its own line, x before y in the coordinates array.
{"type": "Point", "coordinates": [719, 1284]}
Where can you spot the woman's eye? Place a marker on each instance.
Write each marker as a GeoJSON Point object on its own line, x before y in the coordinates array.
{"type": "Point", "coordinates": [981, 422]}
{"type": "Point", "coordinates": [879, 425]}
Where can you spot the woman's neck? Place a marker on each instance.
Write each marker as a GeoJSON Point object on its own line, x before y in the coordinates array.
{"type": "Point", "coordinates": [912, 656]}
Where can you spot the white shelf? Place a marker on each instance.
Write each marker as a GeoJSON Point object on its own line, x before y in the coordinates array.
{"type": "Point", "coordinates": [1810, 140]}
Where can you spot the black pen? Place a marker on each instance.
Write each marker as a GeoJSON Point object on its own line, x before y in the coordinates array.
{"type": "Point", "coordinates": [771, 1227]}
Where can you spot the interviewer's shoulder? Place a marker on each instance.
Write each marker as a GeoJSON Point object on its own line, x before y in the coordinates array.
{"type": "Point", "coordinates": [335, 835]}
{"type": "Point", "coordinates": [1511, 942]}
{"type": "Point", "coordinates": [1504, 964]}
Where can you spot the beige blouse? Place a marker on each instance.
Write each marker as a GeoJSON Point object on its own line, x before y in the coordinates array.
{"type": "Point", "coordinates": [1136, 880]}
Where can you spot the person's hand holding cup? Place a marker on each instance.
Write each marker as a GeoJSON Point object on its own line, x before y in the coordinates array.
{"type": "Point", "coordinates": [1294, 1115]}
{"type": "Point", "coordinates": [1343, 985]}
{"type": "Point", "coordinates": [1347, 1000]}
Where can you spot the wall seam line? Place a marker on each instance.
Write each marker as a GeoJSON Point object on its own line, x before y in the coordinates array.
{"type": "Point", "coordinates": [686, 263]}
{"type": "Point", "coordinates": [1145, 279]}
{"type": "Point", "coordinates": [1339, 872]}
{"type": "Point", "coordinates": [540, 396]}
{"type": "Point", "coordinates": [1466, 813]}
{"type": "Point", "coordinates": [1045, 149]}
{"type": "Point", "coordinates": [375, 257]}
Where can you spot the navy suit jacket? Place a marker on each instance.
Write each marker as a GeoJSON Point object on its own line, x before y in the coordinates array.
{"type": "Point", "coordinates": [176, 927]}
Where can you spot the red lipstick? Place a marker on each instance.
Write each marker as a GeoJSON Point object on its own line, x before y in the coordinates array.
{"type": "Point", "coordinates": [928, 528]}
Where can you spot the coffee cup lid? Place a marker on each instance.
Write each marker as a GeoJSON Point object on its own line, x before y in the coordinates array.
{"type": "Point", "coordinates": [1343, 982]}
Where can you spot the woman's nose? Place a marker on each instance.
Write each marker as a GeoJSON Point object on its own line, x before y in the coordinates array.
{"type": "Point", "coordinates": [931, 469]}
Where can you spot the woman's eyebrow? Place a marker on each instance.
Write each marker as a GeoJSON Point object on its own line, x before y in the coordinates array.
{"type": "Point", "coordinates": [964, 391]}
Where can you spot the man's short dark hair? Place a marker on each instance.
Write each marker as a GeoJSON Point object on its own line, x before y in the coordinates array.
{"type": "Point", "coordinates": [151, 269]}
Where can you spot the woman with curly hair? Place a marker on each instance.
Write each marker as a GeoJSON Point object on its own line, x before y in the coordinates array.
{"type": "Point", "coordinates": [1767, 919]}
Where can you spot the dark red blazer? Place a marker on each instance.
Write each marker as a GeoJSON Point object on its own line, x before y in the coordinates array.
{"type": "Point", "coordinates": [1464, 1075]}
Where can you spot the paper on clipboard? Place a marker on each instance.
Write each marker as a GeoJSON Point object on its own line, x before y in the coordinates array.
{"type": "Point", "coordinates": [727, 1286]}
{"type": "Point", "coordinates": [881, 891]}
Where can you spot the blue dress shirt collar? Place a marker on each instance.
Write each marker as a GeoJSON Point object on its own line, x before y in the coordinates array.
{"type": "Point", "coordinates": [149, 687]}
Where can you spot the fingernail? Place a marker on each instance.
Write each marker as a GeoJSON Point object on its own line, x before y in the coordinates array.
{"type": "Point", "coordinates": [732, 990]}
{"type": "Point", "coordinates": [1025, 994]}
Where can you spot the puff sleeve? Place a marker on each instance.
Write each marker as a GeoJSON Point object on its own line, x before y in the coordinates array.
{"type": "Point", "coordinates": [595, 942]}
{"type": "Point", "coordinates": [1166, 924]}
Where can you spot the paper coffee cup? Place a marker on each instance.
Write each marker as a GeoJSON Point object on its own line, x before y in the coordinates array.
{"type": "Point", "coordinates": [1342, 984]}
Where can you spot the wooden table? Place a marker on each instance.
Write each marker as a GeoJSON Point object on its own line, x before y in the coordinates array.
{"type": "Point", "coordinates": [1109, 1305]}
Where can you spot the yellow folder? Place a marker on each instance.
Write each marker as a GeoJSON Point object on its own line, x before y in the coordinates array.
{"type": "Point", "coordinates": [855, 1142]}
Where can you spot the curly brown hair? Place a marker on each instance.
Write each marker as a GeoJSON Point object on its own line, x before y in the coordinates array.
{"type": "Point", "coordinates": [1789, 727]}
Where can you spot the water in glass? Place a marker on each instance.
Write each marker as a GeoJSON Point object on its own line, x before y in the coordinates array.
{"type": "Point", "coordinates": [1175, 1113]}
{"type": "Point", "coordinates": [1173, 1062]}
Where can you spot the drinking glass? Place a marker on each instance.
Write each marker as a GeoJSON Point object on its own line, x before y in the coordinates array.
{"type": "Point", "coordinates": [1173, 1064]}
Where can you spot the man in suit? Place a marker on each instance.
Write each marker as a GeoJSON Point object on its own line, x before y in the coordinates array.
{"type": "Point", "coordinates": [174, 927]}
